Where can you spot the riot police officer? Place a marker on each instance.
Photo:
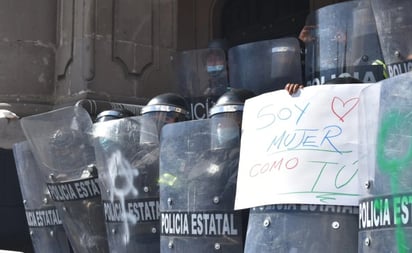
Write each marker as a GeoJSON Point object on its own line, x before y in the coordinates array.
{"type": "Point", "coordinates": [166, 108]}
{"type": "Point", "coordinates": [60, 142]}
{"type": "Point", "coordinates": [127, 152]}
{"type": "Point", "coordinates": [116, 113]}
{"type": "Point", "coordinates": [394, 26]}
{"type": "Point", "coordinates": [217, 67]}
{"type": "Point", "coordinates": [341, 46]}
{"type": "Point", "coordinates": [198, 167]}
{"type": "Point", "coordinates": [201, 76]}
{"type": "Point", "coordinates": [230, 105]}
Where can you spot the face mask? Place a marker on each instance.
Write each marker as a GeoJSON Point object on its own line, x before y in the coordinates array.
{"type": "Point", "coordinates": [214, 69]}
{"type": "Point", "coordinates": [226, 134]}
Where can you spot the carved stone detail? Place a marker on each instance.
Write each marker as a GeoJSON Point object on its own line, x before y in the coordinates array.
{"type": "Point", "coordinates": [133, 34]}
{"type": "Point", "coordinates": [64, 43]}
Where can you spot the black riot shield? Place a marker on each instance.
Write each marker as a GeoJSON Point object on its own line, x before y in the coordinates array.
{"type": "Point", "coordinates": [341, 40]}
{"type": "Point", "coordinates": [385, 221]}
{"type": "Point", "coordinates": [127, 155]}
{"type": "Point", "coordinates": [198, 171]}
{"type": "Point", "coordinates": [201, 76]}
{"type": "Point", "coordinates": [265, 66]}
{"type": "Point", "coordinates": [46, 230]}
{"type": "Point", "coordinates": [60, 143]}
{"type": "Point", "coordinates": [394, 23]}
{"type": "Point", "coordinates": [302, 229]}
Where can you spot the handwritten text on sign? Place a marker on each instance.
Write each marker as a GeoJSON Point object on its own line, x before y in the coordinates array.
{"type": "Point", "coordinates": [300, 149]}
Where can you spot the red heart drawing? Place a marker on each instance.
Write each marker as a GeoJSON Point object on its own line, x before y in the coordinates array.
{"type": "Point", "coordinates": [344, 107]}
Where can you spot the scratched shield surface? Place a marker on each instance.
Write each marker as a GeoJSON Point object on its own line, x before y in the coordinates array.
{"type": "Point", "coordinates": [385, 220]}
{"type": "Point", "coordinates": [341, 40]}
{"type": "Point", "coordinates": [394, 25]}
{"type": "Point", "coordinates": [301, 148]}
{"type": "Point", "coordinates": [198, 169]}
{"type": "Point", "coordinates": [60, 143]}
{"type": "Point", "coordinates": [46, 229]}
{"type": "Point", "coordinates": [127, 155]}
{"type": "Point", "coordinates": [302, 228]}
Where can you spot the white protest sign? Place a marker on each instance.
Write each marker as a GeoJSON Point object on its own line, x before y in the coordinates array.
{"type": "Point", "coordinates": [300, 149]}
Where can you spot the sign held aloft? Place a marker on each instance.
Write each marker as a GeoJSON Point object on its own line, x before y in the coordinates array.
{"type": "Point", "coordinates": [300, 149]}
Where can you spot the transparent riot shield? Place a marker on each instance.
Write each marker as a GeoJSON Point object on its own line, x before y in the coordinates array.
{"type": "Point", "coordinates": [60, 143]}
{"type": "Point", "coordinates": [341, 40]}
{"type": "Point", "coordinates": [201, 76]}
{"type": "Point", "coordinates": [364, 59]}
{"type": "Point", "coordinates": [46, 230]}
{"type": "Point", "coordinates": [394, 23]}
{"type": "Point", "coordinates": [385, 223]}
{"type": "Point", "coordinates": [198, 171]}
{"type": "Point", "coordinates": [127, 155]}
{"type": "Point", "coordinates": [302, 229]}
{"type": "Point", "coordinates": [265, 66]}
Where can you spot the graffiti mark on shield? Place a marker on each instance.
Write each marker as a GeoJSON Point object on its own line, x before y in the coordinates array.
{"type": "Point", "coordinates": [342, 108]}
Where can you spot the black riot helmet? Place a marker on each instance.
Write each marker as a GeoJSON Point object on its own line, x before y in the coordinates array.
{"type": "Point", "coordinates": [227, 113]}
{"type": "Point", "coordinates": [230, 104]}
{"type": "Point", "coordinates": [166, 108]}
{"type": "Point", "coordinates": [113, 114]}
{"type": "Point", "coordinates": [104, 129]}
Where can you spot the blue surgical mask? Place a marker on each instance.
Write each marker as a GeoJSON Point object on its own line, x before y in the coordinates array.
{"type": "Point", "coordinates": [215, 68]}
